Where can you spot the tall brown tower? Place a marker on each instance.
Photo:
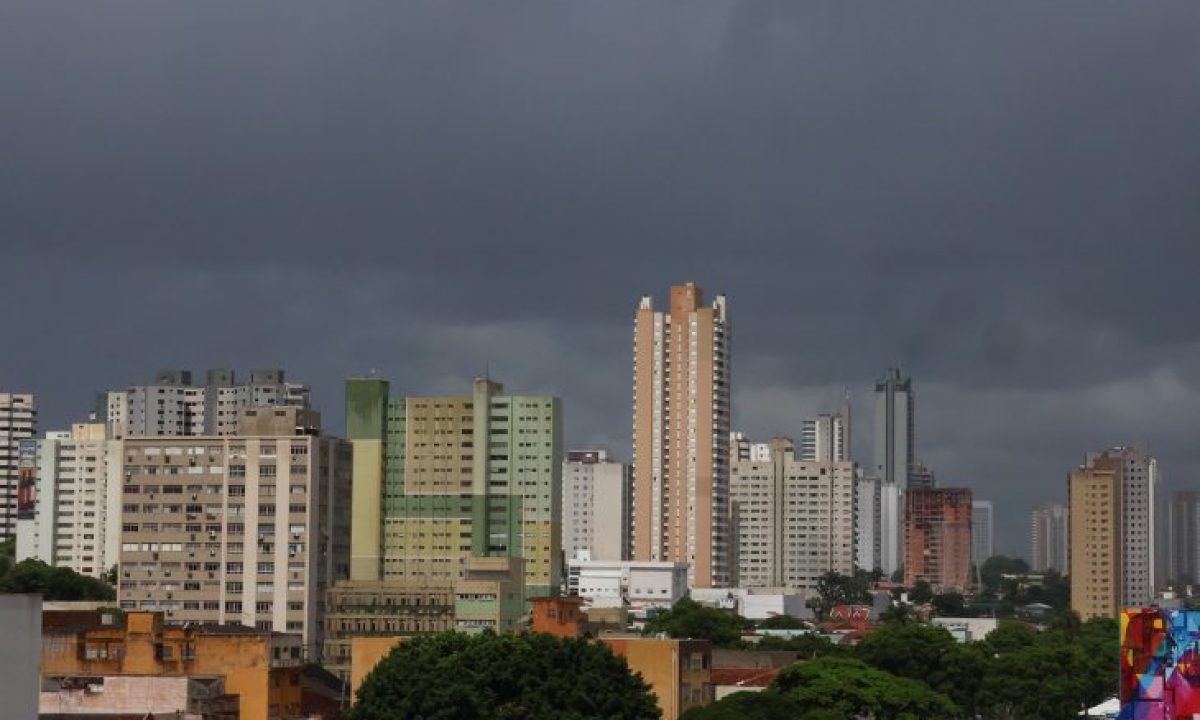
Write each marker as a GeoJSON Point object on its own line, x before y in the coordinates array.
{"type": "Point", "coordinates": [681, 371]}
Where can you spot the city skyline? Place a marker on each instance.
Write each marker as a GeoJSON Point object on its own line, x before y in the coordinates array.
{"type": "Point", "coordinates": [868, 191]}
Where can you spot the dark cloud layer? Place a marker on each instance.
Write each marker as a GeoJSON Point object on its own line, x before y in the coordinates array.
{"type": "Point", "coordinates": [1004, 196]}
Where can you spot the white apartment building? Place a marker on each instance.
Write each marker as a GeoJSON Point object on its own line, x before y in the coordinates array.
{"type": "Point", "coordinates": [250, 528]}
{"type": "Point", "coordinates": [596, 509]}
{"type": "Point", "coordinates": [18, 421]}
{"type": "Point", "coordinates": [741, 447]}
{"type": "Point", "coordinates": [634, 584]}
{"type": "Point", "coordinates": [1048, 537]}
{"type": "Point", "coordinates": [174, 406]}
{"type": "Point", "coordinates": [73, 514]}
{"type": "Point", "coordinates": [983, 523]}
{"type": "Point", "coordinates": [793, 521]}
{"type": "Point", "coordinates": [826, 437]}
{"type": "Point", "coordinates": [878, 525]}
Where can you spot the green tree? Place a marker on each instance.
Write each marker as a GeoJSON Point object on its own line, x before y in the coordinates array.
{"type": "Point", "coordinates": [8, 554]}
{"type": "Point", "coordinates": [781, 622]}
{"type": "Point", "coordinates": [690, 619]}
{"type": "Point", "coordinates": [900, 613]}
{"type": "Point", "coordinates": [853, 689]}
{"type": "Point", "coordinates": [54, 583]}
{"type": "Point", "coordinates": [764, 705]}
{"type": "Point", "coordinates": [808, 645]}
{"type": "Point", "coordinates": [912, 650]}
{"type": "Point", "coordinates": [949, 604]}
{"type": "Point", "coordinates": [1009, 637]}
{"type": "Point", "coordinates": [921, 592]}
{"type": "Point", "coordinates": [453, 676]}
{"type": "Point", "coordinates": [1044, 681]}
{"type": "Point", "coordinates": [995, 567]}
{"type": "Point", "coordinates": [837, 589]}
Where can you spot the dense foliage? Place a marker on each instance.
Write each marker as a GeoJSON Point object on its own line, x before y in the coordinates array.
{"type": "Point", "coordinates": [453, 676]}
{"type": "Point", "coordinates": [1016, 673]}
{"type": "Point", "coordinates": [836, 589]}
{"type": "Point", "coordinates": [690, 619]}
{"type": "Point", "coordinates": [52, 583]}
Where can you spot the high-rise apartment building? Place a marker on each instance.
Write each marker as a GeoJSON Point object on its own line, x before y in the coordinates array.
{"type": "Point", "coordinates": [879, 525]}
{"type": "Point", "coordinates": [793, 520]}
{"type": "Point", "coordinates": [438, 480]}
{"type": "Point", "coordinates": [1095, 538]}
{"type": "Point", "coordinates": [894, 427]}
{"type": "Point", "coordinates": [826, 438]}
{"type": "Point", "coordinates": [457, 513]}
{"type": "Point", "coordinates": [741, 447]}
{"type": "Point", "coordinates": [71, 510]}
{"type": "Point", "coordinates": [1183, 538]}
{"type": "Point", "coordinates": [1112, 540]}
{"type": "Point", "coordinates": [921, 476]}
{"type": "Point", "coordinates": [249, 529]}
{"type": "Point", "coordinates": [1048, 537]}
{"type": "Point", "coordinates": [173, 405]}
{"type": "Point", "coordinates": [681, 393]}
{"type": "Point", "coordinates": [983, 523]}
{"type": "Point", "coordinates": [937, 537]}
{"type": "Point", "coordinates": [596, 506]}
{"type": "Point", "coordinates": [18, 421]}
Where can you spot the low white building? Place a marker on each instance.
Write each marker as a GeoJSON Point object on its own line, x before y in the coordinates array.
{"type": "Point", "coordinates": [967, 629]}
{"type": "Point", "coordinates": [634, 584]}
{"type": "Point", "coordinates": [754, 603]}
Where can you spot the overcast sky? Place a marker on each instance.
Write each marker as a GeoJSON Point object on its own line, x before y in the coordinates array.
{"type": "Point", "coordinates": [1003, 196]}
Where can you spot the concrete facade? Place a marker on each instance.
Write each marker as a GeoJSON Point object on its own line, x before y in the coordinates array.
{"type": "Point", "coordinates": [1048, 537]}
{"type": "Point", "coordinates": [179, 698]}
{"type": "Point", "coordinates": [261, 668]}
{"type": "Point", "coordinates": [679, 672]}
{"type": "Point", "coordinates": [826, 438]}
{"type": "Point", "coordinates": [443, 479]}
{"type": "Point", "coordinates": [983, 528]}
{"type": "Point", "coordinates": [638, 585]}
{"type": "Point", "coordinates": [248, 529]}
{"type": "Point", "coordinates": [596, 506]}
{"type": "Point", "coordinates": [75, 518]}
{"type": "Point", "coordinates": [1183, 538]}
{"type": "Point", "coordinates": [20, 654]}
{"type": "Point", "coordinates": [1095, 539]}
{"type": "Point", "coordinates": [793, 521]}
{"type": "Point", "coordinates": [174, 405]}
{"type": "Point", "coordinates": [365, 610]}
{"type": "Point", "coordinates": [1113, 517]}
{"type": "Point", "coordinates": [894, 428]}
{"type": "Point", "coordinates": [681, 413]}
{"type": "Point", "coordinates": [18, 421]}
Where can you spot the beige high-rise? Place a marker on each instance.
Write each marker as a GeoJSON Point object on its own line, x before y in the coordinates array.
{"type": "Point", "coordinates": [1112, 521]}
{"type": "Point", "coordinates": [1095, 540]}
{"type": "Point", "coordinates": [681, 396]}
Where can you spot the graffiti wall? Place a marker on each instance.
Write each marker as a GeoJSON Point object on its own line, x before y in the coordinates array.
{"type": "Point", "coordinates": [1160, 664]}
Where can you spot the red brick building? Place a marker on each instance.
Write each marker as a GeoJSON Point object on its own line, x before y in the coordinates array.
{"type": "Point", "coordinates": [937, 538]}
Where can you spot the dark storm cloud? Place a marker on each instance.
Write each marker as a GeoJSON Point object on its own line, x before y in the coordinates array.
{"type": "Point", "coordinates": [1001, 195]}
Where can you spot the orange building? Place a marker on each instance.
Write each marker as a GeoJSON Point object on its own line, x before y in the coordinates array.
{"type": "Point", "coordinates": [937, 537]}
{"type": "Point", "coordinates": [559, 616]}
{"type": "Point", "coordinates": [264, 669]}
{"type": "Point", "coordinates": [681, 395]}
{"type": "Point", "coordinates": [678, 671]}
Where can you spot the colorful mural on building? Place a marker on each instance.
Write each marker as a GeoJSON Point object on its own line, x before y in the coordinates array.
{"type": "Point", "coordinates": [1160, 664]}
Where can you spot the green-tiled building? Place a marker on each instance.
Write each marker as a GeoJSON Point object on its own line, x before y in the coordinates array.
{"type": "Point", "coordinates": [440, 479]}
